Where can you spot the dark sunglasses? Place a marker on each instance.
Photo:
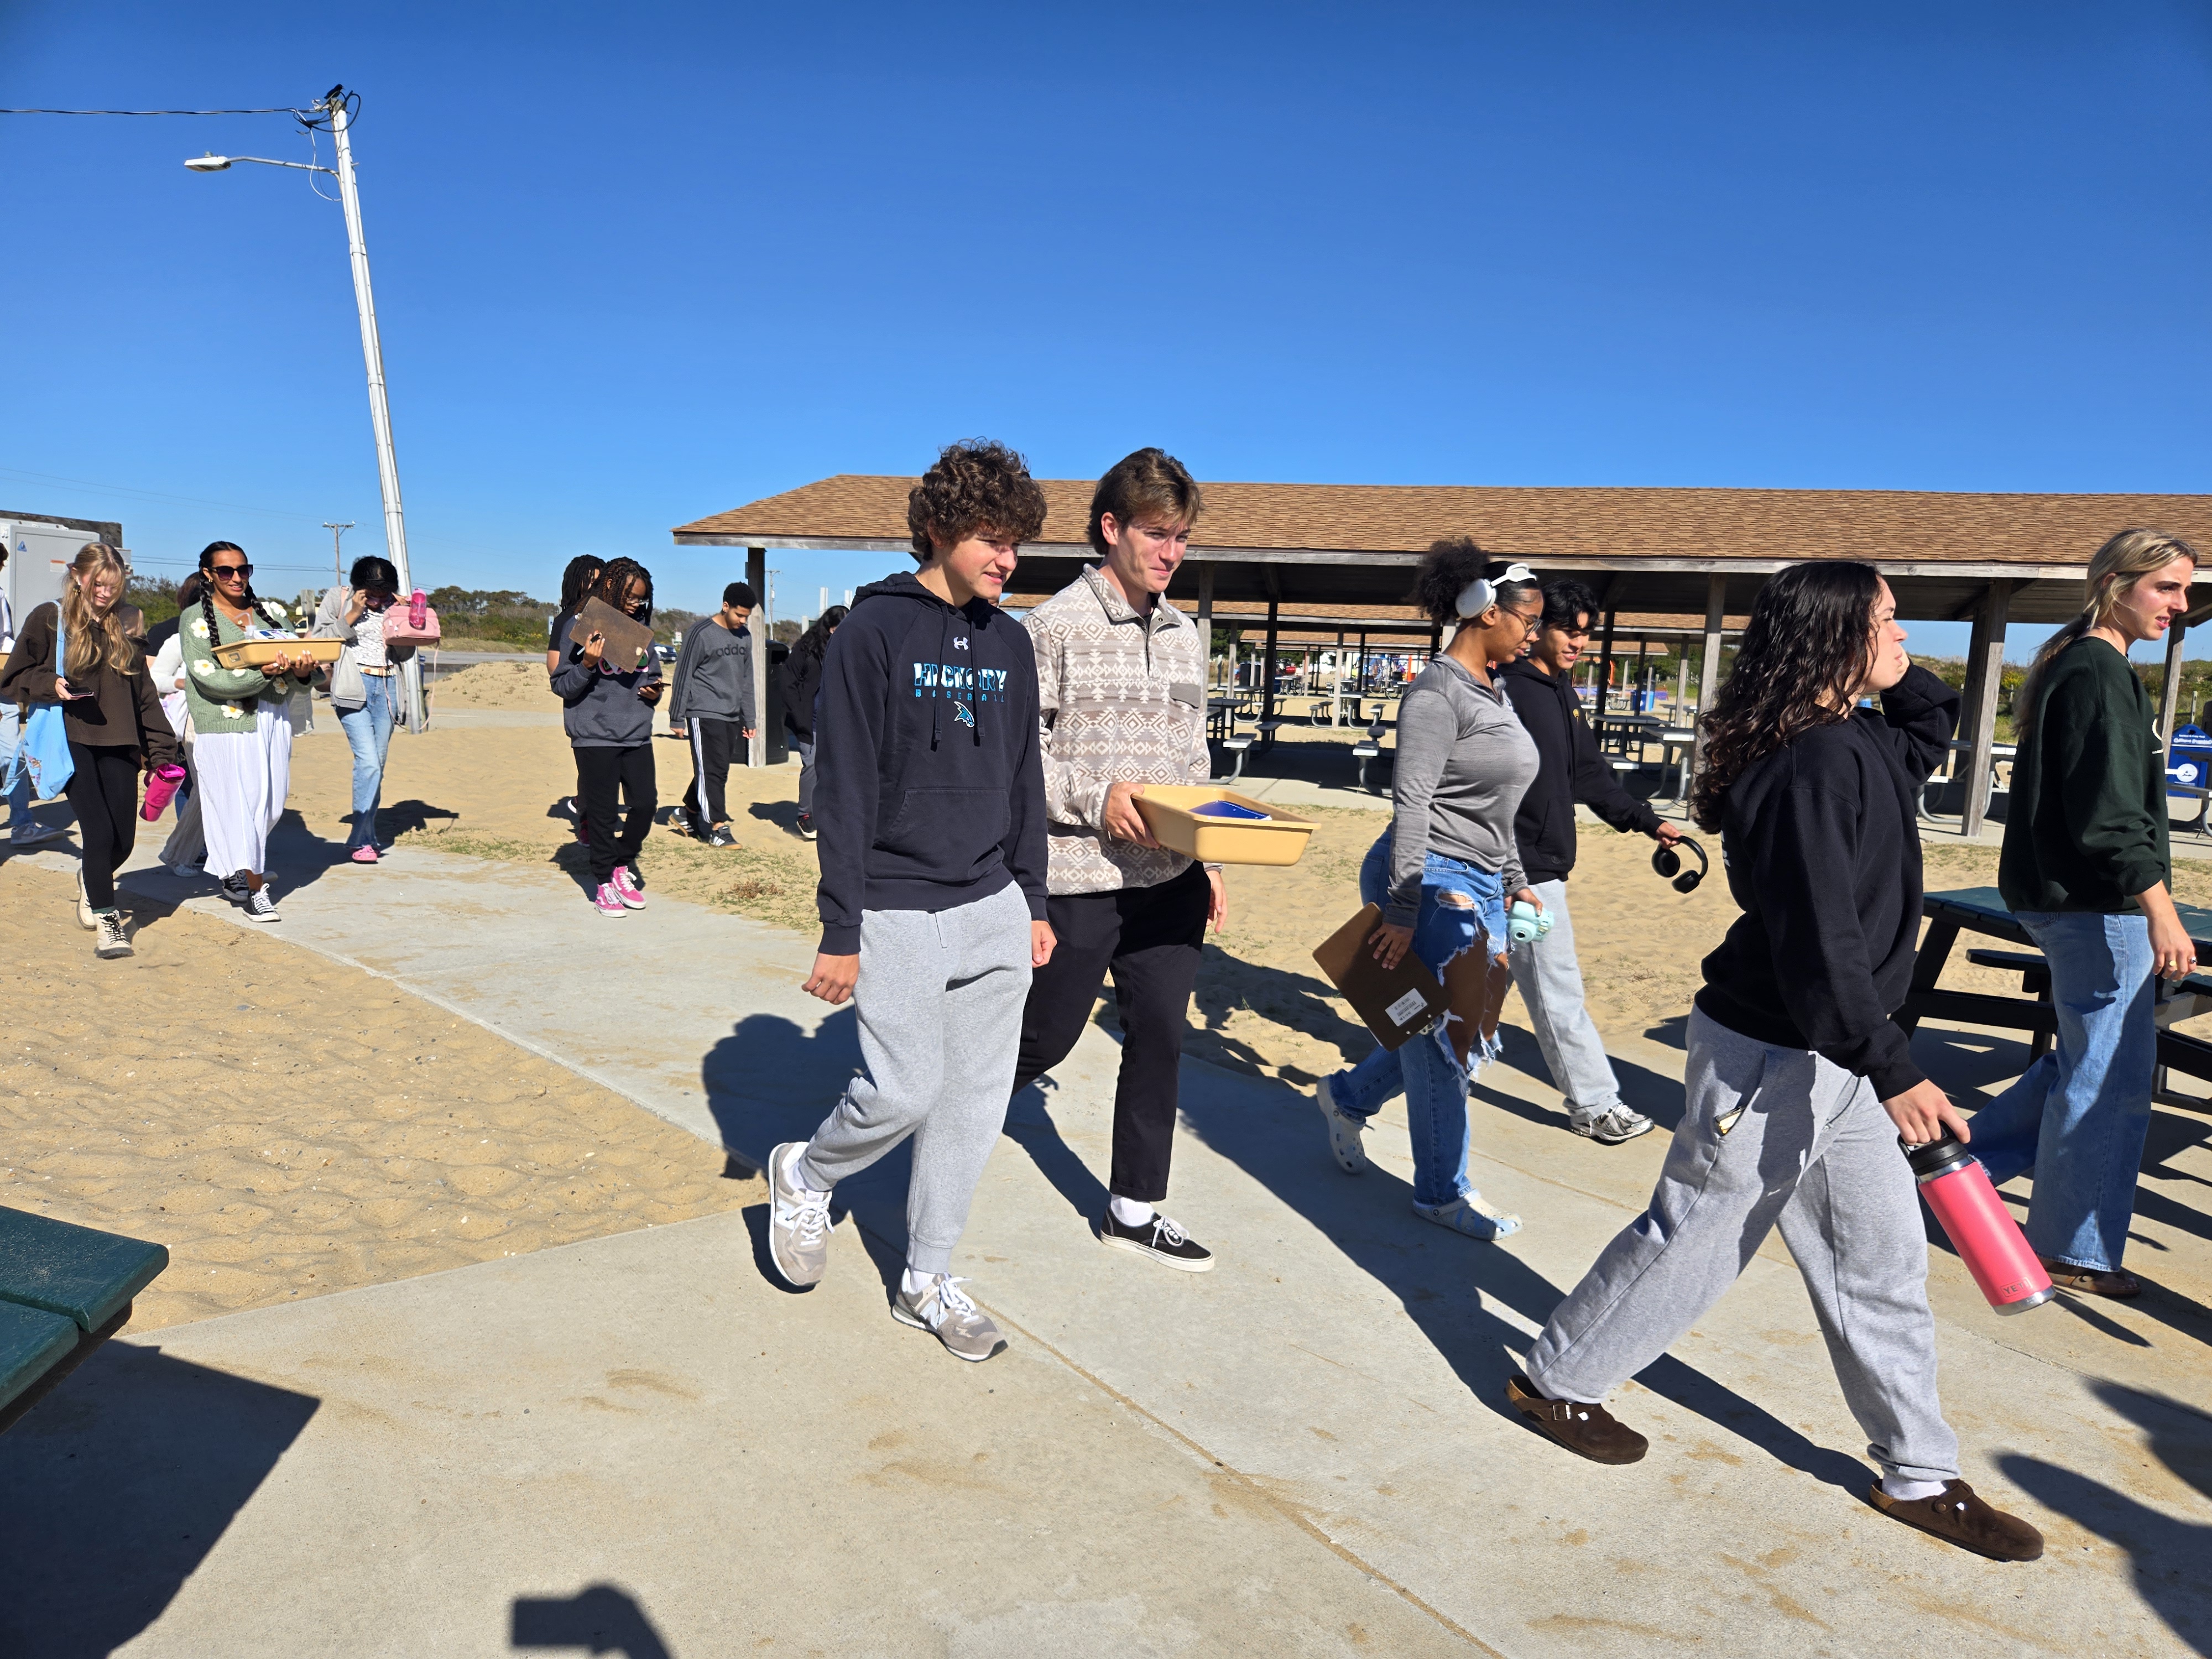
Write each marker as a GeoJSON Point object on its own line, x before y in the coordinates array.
{"type": "Point", "coordinates": [220, 571]}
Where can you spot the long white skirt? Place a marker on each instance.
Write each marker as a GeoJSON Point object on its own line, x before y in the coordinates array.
{"type": "Point", "coordinates": [243, 778]}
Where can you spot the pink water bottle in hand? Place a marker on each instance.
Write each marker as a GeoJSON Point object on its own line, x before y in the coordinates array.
{"type": "Point", "coordinates": [161, 788]}
{"type": "Point", "coordinates": [1974, 1219]}
{"type": "Point", "coordinates": [418, 610]}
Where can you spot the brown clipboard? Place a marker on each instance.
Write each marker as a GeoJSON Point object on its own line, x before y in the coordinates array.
{"type": "Point", "coordinates": [627, 641]}
{"type": "Point", "coordinates": [1395, 1003]}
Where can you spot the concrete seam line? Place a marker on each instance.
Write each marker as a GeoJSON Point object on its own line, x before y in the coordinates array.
{"type": "Point", "coordinates": [1288, 1512]}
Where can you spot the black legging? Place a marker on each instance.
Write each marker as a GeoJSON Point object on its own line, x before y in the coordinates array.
{"type": "Point", "coordinates": [104, 791]}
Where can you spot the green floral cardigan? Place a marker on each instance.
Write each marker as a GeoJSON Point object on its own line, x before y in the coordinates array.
{"type": "Point", "coordinates": [222, 699]}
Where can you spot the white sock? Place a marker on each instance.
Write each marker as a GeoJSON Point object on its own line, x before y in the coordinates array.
{"type": "Point", "coordinates": [915, 1281]}
{"type": "Point", "coordinates": [1911, 1491]}
{"type": "Point", "coordinates": [1130, 1212]}
{"type": "Point", "coordinates": [794, 1172]}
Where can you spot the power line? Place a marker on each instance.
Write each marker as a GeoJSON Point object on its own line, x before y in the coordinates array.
{"type": "Point", "coordinates": [145, 495]}
{"type": "Point", "coordinates": [287, 109]}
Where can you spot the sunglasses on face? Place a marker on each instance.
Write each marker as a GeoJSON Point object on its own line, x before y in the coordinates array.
{"type": "Point", "coordinates": [223, 572]}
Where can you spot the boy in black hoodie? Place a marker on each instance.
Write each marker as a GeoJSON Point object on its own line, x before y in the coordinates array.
{"type": "Point", "coordinates": [930, 797]}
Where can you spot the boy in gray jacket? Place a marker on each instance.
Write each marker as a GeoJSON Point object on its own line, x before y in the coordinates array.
{"type": "Point", "coordinates": [712, 702]}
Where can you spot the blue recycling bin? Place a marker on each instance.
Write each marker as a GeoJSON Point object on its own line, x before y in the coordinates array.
{"type": "Point", "coordinates": [2189, 761]}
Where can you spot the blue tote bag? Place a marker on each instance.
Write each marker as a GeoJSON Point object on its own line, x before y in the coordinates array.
{"type": "Point", "coordinates": [42, 750]}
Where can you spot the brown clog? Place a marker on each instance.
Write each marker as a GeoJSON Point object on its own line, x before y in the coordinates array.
{"type": "Point", "coordinates": [1590, 1430]}
{"type": "Point", "coordinates": [2116, 1284]}
{"type": "Point", "coordinates": [1957, 1517]}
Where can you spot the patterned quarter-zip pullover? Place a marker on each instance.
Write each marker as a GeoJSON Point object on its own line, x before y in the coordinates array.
{"type": "Point", "coordinates": [1120, 698]}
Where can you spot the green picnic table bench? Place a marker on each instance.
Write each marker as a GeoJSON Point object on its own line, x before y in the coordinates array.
{"type": "Point", "coordinates": [64, 1291]}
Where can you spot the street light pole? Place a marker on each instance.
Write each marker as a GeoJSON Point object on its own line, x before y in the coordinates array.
{"type": "Point", "coordinates": [337, 565]}
{"type": "Point", "coordinates": [379, 409]}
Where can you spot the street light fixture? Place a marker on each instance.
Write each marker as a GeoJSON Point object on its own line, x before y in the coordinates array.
{"type": "Point", "coordinates": [334, 102]}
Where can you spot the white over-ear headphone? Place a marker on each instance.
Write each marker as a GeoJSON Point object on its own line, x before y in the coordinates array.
{"type": "Point", "coordinates": [1479, 595]}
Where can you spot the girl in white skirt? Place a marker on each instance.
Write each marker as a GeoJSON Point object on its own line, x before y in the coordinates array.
{"type": "Point", "coordinates": [242, 752]}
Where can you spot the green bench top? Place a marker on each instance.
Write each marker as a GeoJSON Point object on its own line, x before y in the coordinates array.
{"type": "Point", "coordinates": [86, 1276]}
{"type": "Point", "coordinates": [32, 1343]}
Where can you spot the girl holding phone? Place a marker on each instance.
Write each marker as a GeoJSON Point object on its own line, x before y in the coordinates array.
{"type": "Point", "coordinates": [113, 717]}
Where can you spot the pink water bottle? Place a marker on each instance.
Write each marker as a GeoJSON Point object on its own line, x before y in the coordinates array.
{"type": "Point", "coordinates": [418, 610]}
{"type": "Point", "coordinates": [161, 788]}
{"type": "Point", "coordinates": [1974, 1219]}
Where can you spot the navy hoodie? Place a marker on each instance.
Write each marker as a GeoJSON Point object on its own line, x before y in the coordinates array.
{"type": "Point", "coordinates": [929, 783]}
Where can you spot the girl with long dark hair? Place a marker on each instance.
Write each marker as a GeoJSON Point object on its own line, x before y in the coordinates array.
{"type": "Point", "coordinates": [1799, 1081]}
{"type": "Point", "coordinates": [2085, 870]}
{"type": "Point", "coordinates": [1443, 875]}
{"type": "Point", "coordinates": [609, 718]}
{"type": "Point", "coordinates": [576, 582]}
{"type": "Point", "coordinates": [364, 685]}
{"type": "Point", "coordinates": [802, 683]}
{"type": "Point", "coordinates": [113, 719]}
{"type": "Point", "coordinates": [242, 747]}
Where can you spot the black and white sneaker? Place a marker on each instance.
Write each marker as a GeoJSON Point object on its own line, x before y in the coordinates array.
{"type": "Point", "coordinates": [234, 887]}
{"type": "Point", "coordinates": [806, 826]}
{"type": "Point", "coordinates": [261, 904]}
{"type": "Point", "coordinates": [680, 820]}
{"type": "Point", "coordinates": [721, 837]}
{"type": "Point", "coordinates": [1610, 1127]}
{"type": "Point", "coordinates": [1159, 1238]}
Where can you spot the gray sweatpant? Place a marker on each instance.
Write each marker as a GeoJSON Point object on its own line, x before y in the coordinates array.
{"type": "Point", "coordinates": [940, 998]}
{"type": "Point", "coordinates": [1772, 1136]}
{"type": "Point", "coordinates": [1550, 981]}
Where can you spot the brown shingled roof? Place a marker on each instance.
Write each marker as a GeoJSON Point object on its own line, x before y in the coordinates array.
{"type": "Point", "coordinates": [1326, 546]}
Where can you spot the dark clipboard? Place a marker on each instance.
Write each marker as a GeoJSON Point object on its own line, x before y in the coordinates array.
{"type": "Point", "coordinates": [628, 641]}
{"type": "Point", "coordinates": [1395, 1003]}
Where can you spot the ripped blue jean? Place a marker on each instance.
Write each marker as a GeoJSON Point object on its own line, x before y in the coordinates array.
{"type": "Point", "coordinates": [1424, 1067]}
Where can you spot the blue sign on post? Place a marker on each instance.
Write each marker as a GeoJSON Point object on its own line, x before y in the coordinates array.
{"type": "Point", "coordinates": [2189, 760]}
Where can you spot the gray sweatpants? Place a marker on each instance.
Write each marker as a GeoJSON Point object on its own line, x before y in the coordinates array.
{"type": "Point", "coordinates": [1550, 981]}
{"type": "Point", "coordinates": [1772, 1136]}
{"type": "Point", "coordinates": [940, 998]}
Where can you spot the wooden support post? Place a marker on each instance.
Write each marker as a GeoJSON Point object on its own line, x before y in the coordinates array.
{"type": "Point", "coordinates": [1709, 669]}
{"type": "Point", "coordinates": [2169, 701]}
{"type": "Point", "coordinates": [757, 579]}
{"type": "Point", "coordinates": [1206, 621]}
{"type": "Point", "coordinates": [1981, 715]}
{"type": "Point", "coordinates": [1605, 665]}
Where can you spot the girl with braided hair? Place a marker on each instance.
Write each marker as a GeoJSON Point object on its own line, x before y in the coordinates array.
{"type": "Point", "coordinates": [243, 747]}
{"type": "Point", "coordinates": [609, 718]}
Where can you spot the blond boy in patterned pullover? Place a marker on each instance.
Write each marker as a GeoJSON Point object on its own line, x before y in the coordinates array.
{"type": "Point", "coordinates": [1122, 704]}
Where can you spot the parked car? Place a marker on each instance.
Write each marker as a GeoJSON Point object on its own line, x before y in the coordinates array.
{"type": "Point", "coordinates": [665, 653]}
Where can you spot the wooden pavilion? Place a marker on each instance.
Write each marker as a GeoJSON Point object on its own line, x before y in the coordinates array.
{"type": "Point", "coordinates": [1312, 550]}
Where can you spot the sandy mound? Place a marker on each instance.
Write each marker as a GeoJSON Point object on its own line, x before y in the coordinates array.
{"type": "Point", "coordinates": [519, 685]}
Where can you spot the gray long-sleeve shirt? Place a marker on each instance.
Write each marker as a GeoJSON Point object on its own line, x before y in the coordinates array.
{"type": "Point", "coordinates": [1464, 761]}
{"type": "Point", "coordinates": [715, 676]}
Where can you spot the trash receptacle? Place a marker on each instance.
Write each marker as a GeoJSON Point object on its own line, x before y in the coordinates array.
{"type": "Point", "coordinates": [2189, 760]}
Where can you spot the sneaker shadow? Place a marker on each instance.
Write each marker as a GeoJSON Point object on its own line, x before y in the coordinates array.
{"type": "Point", "coordinates": [1030, 1126]}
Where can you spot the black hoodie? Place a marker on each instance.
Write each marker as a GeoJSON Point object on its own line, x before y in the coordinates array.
{"type": "Point", "coordinates": [1569, 769]}
{"type": "Point", "coordinates": [928, 783]}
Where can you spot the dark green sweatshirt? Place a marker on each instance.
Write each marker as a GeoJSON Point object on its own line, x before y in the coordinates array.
{"type": "Point", "coordinates": [2087, 827]}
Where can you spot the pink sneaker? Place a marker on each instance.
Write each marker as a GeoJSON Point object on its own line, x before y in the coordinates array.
{"type": "Point", "coordinates": [625, 885]}
{"type": "Point", "coordinates": [608, 900]}
{"type": "Point", "coordinates": [364, 856]}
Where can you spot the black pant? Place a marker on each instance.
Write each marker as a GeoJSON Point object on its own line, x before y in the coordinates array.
{"type": "Point", "coordinates": [104, 793]}
{"type": "Point", "coordinates": [716, 745]}
{"type": "Point", "coordinates": [1150, 939]}
{"type": "Point", "coordinates": [600, 774]}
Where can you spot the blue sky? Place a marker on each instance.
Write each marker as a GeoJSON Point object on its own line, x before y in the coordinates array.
{"type": "Point", "coordinates": [639, 264]}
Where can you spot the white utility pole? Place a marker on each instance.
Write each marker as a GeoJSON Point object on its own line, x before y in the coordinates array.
{"type": "Point", "coordinates": [379, 411]}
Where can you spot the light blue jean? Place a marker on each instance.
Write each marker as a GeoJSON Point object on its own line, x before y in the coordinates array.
{"type": "Point", "coordinates": [19, 793]}
{"type": "Point", "coordinates": [1424, 1067]}
{"type": "Point", "coordinates": [369, 733]}
{"type": "Point", "coordinates": [2077, 1117]}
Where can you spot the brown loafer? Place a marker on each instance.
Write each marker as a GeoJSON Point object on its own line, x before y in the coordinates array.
{"type": "Point", "coordinates": [1957, 1517]}
{"type": "Point", "coordinates": [1588, 1431]}
{"type": "Point", "coordinates": [2091, 1281]}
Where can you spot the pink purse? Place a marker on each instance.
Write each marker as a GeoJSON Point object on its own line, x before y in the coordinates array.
{"type": "Point", "coordinates": [411, 623]}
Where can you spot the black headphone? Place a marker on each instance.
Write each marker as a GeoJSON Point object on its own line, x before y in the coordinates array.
{"type": "Point", "coordinates": [1667, 862]}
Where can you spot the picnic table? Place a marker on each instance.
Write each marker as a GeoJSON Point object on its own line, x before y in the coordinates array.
{"type": "Point", "coordinates": [64, 1291]}
{"type": "Point", "coordinates": [1983, 910]}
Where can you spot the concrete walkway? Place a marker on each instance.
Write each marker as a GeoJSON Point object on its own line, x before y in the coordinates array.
{"type": "Point", "coordinates": [1301, 1452]}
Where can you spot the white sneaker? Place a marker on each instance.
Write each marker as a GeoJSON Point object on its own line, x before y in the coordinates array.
{"type": "Point", "coordinates": [1345, 1131]}
{"type": "Point", "coordinates": [85, 919]}
{"type": "Point", "coordinates": [112, 940]}
{"type": "Point", "coordinates": [1611, 1127]}
{"type": "Point", "coordinates": [798, 1222]}
{"type": "Point", "coordinates": [945, 1313]}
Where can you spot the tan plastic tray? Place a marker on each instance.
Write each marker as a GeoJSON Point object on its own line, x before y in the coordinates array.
{"type": "Point", "coordinates": [1278, 839]}
{"type": "Point", "coordinates": [253, 653]}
